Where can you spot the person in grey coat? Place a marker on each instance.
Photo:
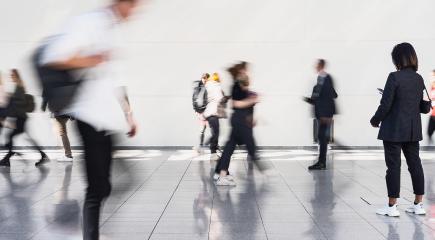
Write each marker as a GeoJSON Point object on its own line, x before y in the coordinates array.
{"type": "Point", "coordinates": [400, 127]}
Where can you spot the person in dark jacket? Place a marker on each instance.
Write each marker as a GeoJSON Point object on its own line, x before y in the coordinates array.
{"type": "Point", "coordinates": [323, 99]}
{"type": "Point", "coordinates": [242, 123]}
{"type": "Point", "coordinates": [400, 127]}
{"type": "Point", "coordinates": [17, 109]}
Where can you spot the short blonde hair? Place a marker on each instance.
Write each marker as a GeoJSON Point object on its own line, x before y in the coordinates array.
{"type": "Point", "coordinates": [215, 77]}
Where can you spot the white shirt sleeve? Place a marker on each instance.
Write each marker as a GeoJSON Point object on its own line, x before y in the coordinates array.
{"type": "Point", "coordinates": [76, 36]}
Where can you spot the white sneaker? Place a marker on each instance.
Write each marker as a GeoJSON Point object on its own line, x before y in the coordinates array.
{"type": "Point", "coordinates": [224, 181]}
{"type": "Point", "coordinates": [228, 177]}
{"type": "Point", "coordinates": [389, 211]}
{"type": "Point", "coordinates": [214, 157]}
{"type": "Point", "coordinates": [416, 209]}
{"type": "Point", "coordinates": [65, 159]}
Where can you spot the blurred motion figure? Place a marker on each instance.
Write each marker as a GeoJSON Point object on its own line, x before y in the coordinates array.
{"type": "Point", "coordinates": [101, 107]}
{"type": "Point", "coordinates": [19, 105]}
{"type": "Point", "coordinates": [242, 123]}
{"type": "Point", "coordinates": [199, 102]}
{"type": "Point", "coordinates": [431, 127]}
{"type": "Point", "coordinates": [211, 114]}
{"type": "Point", "coordinates": [323, 99]}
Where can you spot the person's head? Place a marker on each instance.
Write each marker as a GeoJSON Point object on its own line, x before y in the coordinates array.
{"type": "Point", "coordinates": [205, 77]}
{"type": "Point", "coordinates": [15, 75]}
{"type": "Point", "coordinates": [404, 56]}
{"type": "Point", "coordinates": [238, 70]}
{"type": "Point", "coordinates": [124, 8]}
{"type": "Point", "coordinates": [320, 65]}
{"type": "Point", "coordinates": [215, 77]}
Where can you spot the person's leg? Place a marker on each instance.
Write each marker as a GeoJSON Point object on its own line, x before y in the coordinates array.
{"type": "Point", "coordinates": [224, 162]}
{"type": "Point", "coordinates": [392, 153]}
{"type": "Point", "coordinates": [61, 123]}
{"type": "Point", "coordinates": [323, 141]}
{"type": "Point", "coordinates": [98, 156]}
{"type": "Point", "coordinates": [411, 152]}
{"type": "Point", "coordinates": [213, 122]}
{"type": "Point", "coordinates": [19, 128]}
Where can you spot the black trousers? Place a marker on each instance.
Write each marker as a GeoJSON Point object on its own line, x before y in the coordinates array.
{"type": "Point", "coordinates": [393, 160]}
{"type": "Point", "coordinates": [241, 133]}
{"type": "Point", "coordinates": [20, 124]}
{"type": "Point", "coordinates": [431, 127]}
{"type": "Point", "coordinates": [98, 159]}
{"type": "Point", "coordinates": [213, 122]}
{"type": "Point", "coordinates": [323, 137]}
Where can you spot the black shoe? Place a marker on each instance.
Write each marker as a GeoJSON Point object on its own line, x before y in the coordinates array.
{"type": "Point", "coordinates": [317, 166]}
{"type": "Point", "coordinates": [44, 159]}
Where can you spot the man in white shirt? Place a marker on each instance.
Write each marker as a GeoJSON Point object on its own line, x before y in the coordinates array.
{"type": "Point", "coordinates": [84, 47]}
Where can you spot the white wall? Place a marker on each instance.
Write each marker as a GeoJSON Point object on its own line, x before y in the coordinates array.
{"type": "Point", "coordinates": [170, 43]}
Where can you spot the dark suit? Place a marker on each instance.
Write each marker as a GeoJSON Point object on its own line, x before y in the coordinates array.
{"type": "Point", "coordinates": [399, 110]}
{"type": "Point", "coordinates": [323, 99]}
{"type": "Point", "coordinates": [399, 115]}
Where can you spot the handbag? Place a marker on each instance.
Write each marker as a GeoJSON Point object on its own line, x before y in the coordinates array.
{"type": "Point", "coordinates": [425, 106]}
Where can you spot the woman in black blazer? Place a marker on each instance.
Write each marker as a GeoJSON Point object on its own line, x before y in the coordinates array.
{"type": "Point", "coordinates": [399, 117]}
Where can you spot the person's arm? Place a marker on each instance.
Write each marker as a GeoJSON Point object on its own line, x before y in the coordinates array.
{"type": "Point", "coordinates": [77, 61]}
{"type": "Point", "coordinates": [126, 107]}
{"type": "Point", "coordinates": [386, 101]}
{"type": "Point", "coordinates": [246, 103]}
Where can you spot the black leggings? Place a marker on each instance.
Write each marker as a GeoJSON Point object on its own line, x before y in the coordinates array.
{"type": "Point", "coordinates": [241, 133]}
{"type": "Point", "coordinates": [213, 122]}
{"type": "Point", "coordinates": [98, 159]}
{"type": "Point", "coordinates": [20, 124]}
{"type": "Point", "coordinates": [393, 160]}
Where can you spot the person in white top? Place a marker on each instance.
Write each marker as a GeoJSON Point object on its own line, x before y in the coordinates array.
{"type": "Point", "coordinates": [214, 98]}
{"type": "Point", "coordinates": [85, 47]}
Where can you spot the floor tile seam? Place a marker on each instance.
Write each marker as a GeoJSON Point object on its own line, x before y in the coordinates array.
{"type": "Point", "coordinates": [358, 182]}
{"type": "Point", "coordinates": [246, 164]}
{"type": "Point", "coordinates": [299, 200]}
{"type": "Point", "coordinates": [167, 204]}
{"type": "Point", "coordinates": [133, 192]}
{"type": "Point", "coordinates": [362, 217]}
{"type": "Point", "coordinates": [45, 227]}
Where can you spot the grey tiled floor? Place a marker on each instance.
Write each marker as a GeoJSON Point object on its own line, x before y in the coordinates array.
{"type": "Point", "coordinates": [170, 195]}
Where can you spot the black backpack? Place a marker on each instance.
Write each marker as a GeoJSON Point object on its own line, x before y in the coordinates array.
{"type": "Point", "coordinates": [199, 97]}
{"type": "Point", "coordinates": [58, 86]}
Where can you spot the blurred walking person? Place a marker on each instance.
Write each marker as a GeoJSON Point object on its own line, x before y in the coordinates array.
{"type": "Point", "coordinates": [211, 114]}
{"type": "Point", "coordinates": [60, 122]}
{"type": "Point", "coordinates": [101, 106]}
{"type": "Point", "coordinates": [3, 104]}
{"type": "Point", "coordinates": [431, 127]}
{"type": "Point", "coordinates": [18, 107]}
{"type": "Point", "coordinates": [199, 102]}
{"type": "Point", "coordinates": [323, 99]}
{"type": "Point", "coordinates": [242, 123]}
{"type": "Point", "coordinates": [400, 127]}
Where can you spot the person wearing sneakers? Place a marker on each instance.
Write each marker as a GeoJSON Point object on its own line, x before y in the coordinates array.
{"type": "Point", "coordinates": [214, 97]}
{"type": "Point", "coordinates": [242, 123]}
{"type": "Point", "coordinates": [60, 122]}
{"type": "Point", "coordinates": [400, 127]}
{"type": "Point", "coordinates": [17, 108]}
{"type": "Point", "coordinates": [199, 105]}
